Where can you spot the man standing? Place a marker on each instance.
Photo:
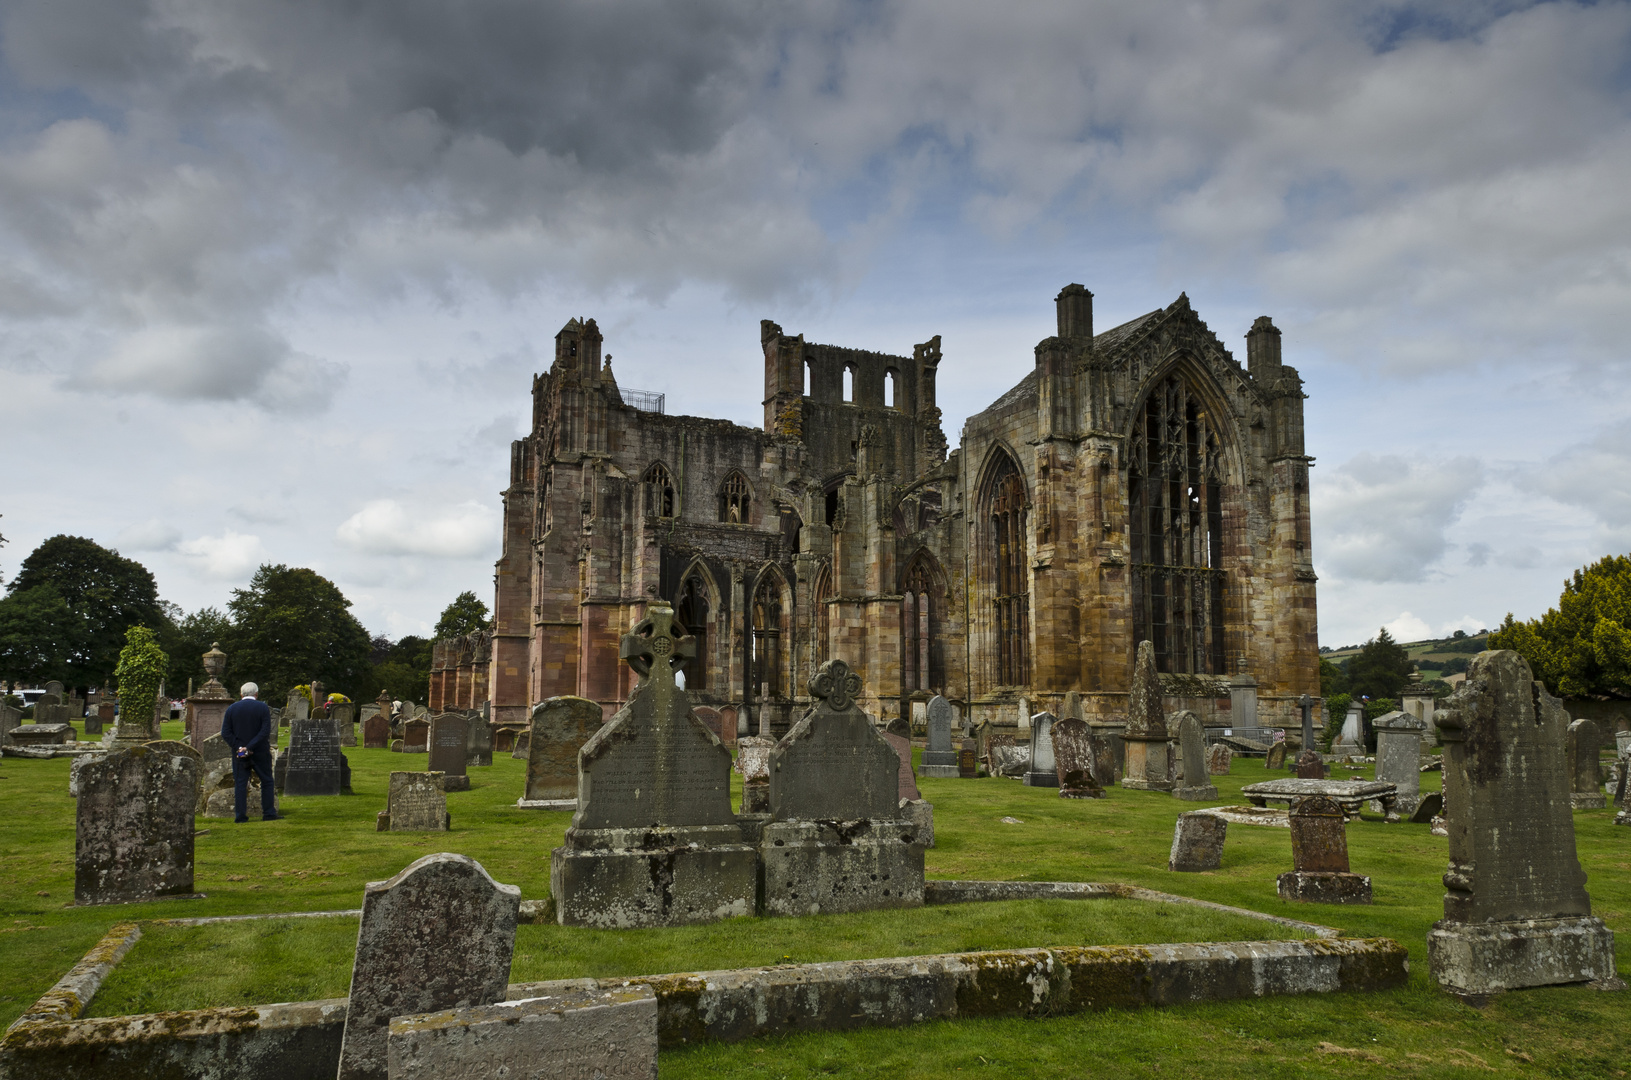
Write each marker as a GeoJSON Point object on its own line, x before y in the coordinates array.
{"type": "Point", "coordinates": [247, 728]}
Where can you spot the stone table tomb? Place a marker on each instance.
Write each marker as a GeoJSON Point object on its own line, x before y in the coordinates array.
{"type": "Point", "coordinates": [1348, 794]}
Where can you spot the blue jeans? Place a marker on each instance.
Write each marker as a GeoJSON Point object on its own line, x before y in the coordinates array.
{"type": "Point", "coordinates": [260, 759]}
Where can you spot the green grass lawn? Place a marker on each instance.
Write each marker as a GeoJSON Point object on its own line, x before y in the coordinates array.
{"type": "Point", "coordinates": [320, 856]}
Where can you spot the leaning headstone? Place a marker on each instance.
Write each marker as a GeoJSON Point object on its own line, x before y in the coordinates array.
{"type": "Point", "coordinates": [1073, 760]}
{"type": "Point", "coordinates": [479, 750]}
{"type": "Point", "coordinates": [439, 935]}
{"type": "Point", "coordinates": [654, 841]}
{"type": "Point", "coordinates": [1310, 766]}
{"type": "Point", "coordinates": [1219, 759]}
{"type": "Point", "coordinates": [520, 744]}
{"type": "Point", "coordinates": [836, 840]}
{"type": "Point", "coordinates": [939, 759]}
{"type": "Point", "coordinates": [1428, 807]}
{"type": "Point", "coordinates": [1319, 857]}
{"type": "Point", "coordinates": [415, 736]}
{"type": "Point", "coordinates": [1146, 734]}
{"type": "Point", "coordinates": [1043, 770]}
{"type": "Point", "coordinates": [1277, 757]}
{"type": "Point", "coordinates": [1197, 842]}
{"type": "Point", "coordinates": [753, 762]}
{"type": "Point", "coordinates": [1516, 913]}
{"type": "Point", "coordinates": [1197, 785]}
{"type": "Point", "coordinates": [450, 749]}
{"type": "Point", "coordinates": [1398, 756]}
{"type": "Point", "coordinates": [415, 802]}
{"type": "Point", "coordinates": [560, 727]}
{"type": "Point", "coordinates": [1585, 766]}
{"type": "Point", "coordinates": [376, 732]}
{"type": "Point", "coordinates": [313, 764]}
{"type": "Point", "coordinates": [134, 826]}
{"type": "Point", "coordinates": [578, 1032]}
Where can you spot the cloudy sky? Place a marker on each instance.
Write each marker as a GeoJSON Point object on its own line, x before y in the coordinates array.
{"type": "Point", "coordinates": [274, 277]}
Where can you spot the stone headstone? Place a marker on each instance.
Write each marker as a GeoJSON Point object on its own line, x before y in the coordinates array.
{"type": "Point", "coordinates": [836, 840]}
{"type": "Point", "coordinates": [504, 742]}
{"type": "Point", "coordinates": [439, 935]}
{"type": "Point", "coordinates": [654, 841]}
{"type": "Point", "coordinates": [1428, 807]}
{"type": "Point", "coordinates": [1197, 842]}
{"type": "Point", "coordinates": [1622, 737]}
{"type": "Point", "coordinates": [1585, 741]}
{"type": "Point", "coordinates": [134, 826]}
{"type": "Point", "coordinates": [1319, 856]}
{"type": "Point", "coordinates": [1002, 753]}
{"type": "Point", "coordinates": [1516, 911]}
{"type": "Point", "coordinates": [98, 718]}
{"type": "Point", "coordinates": [753, 762]}
{"type": "Point", "coordinates": [450, 749]}
{"type": "Point", "coordinates": [1073, 759]}
{"type": "Point", "coordinates": [968, 759]}
{"type": "Point", "coordinates": [479, 750]}
{"type": "Point", "coordinates": [1276, 757]}
{"type": "Point", "coordinates": [1072, 708]}
{"type": "Point", "coordinates": [313, 764]}
{"type": "Point", "coordinates": [711, 719]}
{"type": "Point", "coordinates": [1104, 759]}
{"type": "Point", "coordinates": [560, 727]}
{"type": "Point", "coordinates": [593, 1033]}
{"type": "Point", "coordinates": [10, 718]}
{"type": "Point", "coordinates": [906, 786]}
{"type": "Point", "coordinates": [416, 802]}
{"type": "Point", "coordinates": [939, 759]}
{"type": "Point", "coordinates": [520, 746]}
{"type": "Point", "coordinates": [298, 707]}
{"type": "Point", "coordinates": [1310, 766]}
{"type": "Point", "coordinates": [1398, 756]}
{"type": "Point", "coordinates": [376, 732]}
{"type": "Point", "coordinates": [415, 736]}
{"type": "Point", "coordinates": [1043, 770]}
{"type": "Point", "coordinates": [1219, 759]}
{"type": "Point", "coordinates": [1197, 785]}
{"type": "Point", "coordinates": [54, 690]}
{"type": "Point", "coordinates": [1146, 736]}
{"type": "Point", "coordinates": [344, 715]}
{"type": "Point", "coordinates": [1350, 741]}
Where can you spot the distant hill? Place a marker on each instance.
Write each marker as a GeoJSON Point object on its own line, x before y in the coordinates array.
{"type": "Point", "coordinates": [1430, 655]}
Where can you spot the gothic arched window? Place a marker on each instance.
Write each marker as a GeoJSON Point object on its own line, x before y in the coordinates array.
{"type": "Point", "coordinates": [823, 612]}
{"type": "Point", "coordinates": [1175, 500]}
{"type": "Point", "coordinates": [692, 611]}
{"type": "Point", "coordinates": [1006, 511]}
{"type": "Point", "coordinates": [659, 491]}
{"type": "Point", "coordinates": [768, 659]}
{"type": "Point", "coordinates": [917, 622]}
{"type": "Point", "coordinates": [735, 499]}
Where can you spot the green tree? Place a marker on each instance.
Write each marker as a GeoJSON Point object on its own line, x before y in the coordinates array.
{"type": "Point", "coordinates": [291, 626]}
{"type": "Point", "coordinates": [1381, 668]}
{"type": "Point", "coordinates": [107, 594]}
{"type": "Point", "coordinates": [464, 615]}
{"type": "Point", "coordinates": [1582, 647]}
{"type": "Point", "coordinates": [140, 672]}
{"type": "Point", "coordinates": [402, 668]}
{"type": "Point", "coordinates": [37, 635]}
{"type": "Point", "coordinates": [1333, 680]}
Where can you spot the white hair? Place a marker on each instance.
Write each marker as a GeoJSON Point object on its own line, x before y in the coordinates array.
{"type": "Point", "coordinates": [248, 689]}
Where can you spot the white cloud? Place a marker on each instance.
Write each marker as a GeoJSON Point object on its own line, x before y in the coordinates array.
{"type": "Point", "coordinates": [1408, 627]}
{"type": "Point", "coordinates": [388, 527]}
{"type": "Point", "coordinates": [232, 556]}
{"type": "Point", "coordinates": [153, 534]}
{"type": "Point", "coordinates": [1383, 519]}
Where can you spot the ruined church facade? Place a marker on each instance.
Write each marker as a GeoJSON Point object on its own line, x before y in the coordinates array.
{"type": "Point", "coordinates": [1135, 484]}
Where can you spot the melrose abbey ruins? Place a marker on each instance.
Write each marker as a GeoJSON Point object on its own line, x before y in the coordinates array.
{"type": "Point", "coordinates": [1135, 484]}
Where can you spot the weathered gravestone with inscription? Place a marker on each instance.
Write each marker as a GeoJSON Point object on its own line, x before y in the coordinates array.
{"type": "Point", "coordinates": [560, 727]}
{"type": "Point", "coordinates": [836, 840]}
{"type": "Point", "coordinates": [1197, 842]}
{"type": "Point", "coordinates": [1219, 759]}
{"type": "Point", "coordinates": [1043, 770]}
{"type": "Point", "coordinates": [1585, 742]}
{"type": "Point", "coordinates": [939, 759]}
{"type": "Point", "coordinates": [134, 827]}
{"type": "Point", "coordinates": [1310, 766]}
{"type": "Point", "coordinates": [415, 736]}
{"type": "Point", "coordinates": [344, 715]}
{"type": "Point", "coordinates": [753, 762]}
{"type": "Point", "coordinates": [297, 707]}
{"type": "Point", "coordinates": [1146, 734]}
{"type": "Point", "coordinates": [313, 763]}
{"type": "Point", "coordinates": [415, 802]}
{"type": "Point", "coordinates": [1398, 756]}
{"type": "Point", "coordinates": [1277, 756]}
{"type": "Point", "coordinates": [1073, 760]}
{"type": "Point", "coordinates": [1319, 855]}
{"type": "Point", "coordinates": [1197, 785]}
{"type": "Point", "coordinates": [449, 749]}
{"type": "Point", "coordinates": [654, 841]}
{"type": "Point", "coordinates": [1516, 911]}
{"type": "Point", "coordinates": [376, 732]}
{"type": "Point", "coordinates": [439, 935]}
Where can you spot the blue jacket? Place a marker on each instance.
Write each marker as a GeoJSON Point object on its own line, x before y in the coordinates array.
{"type": "Point", "coordinates": [248, 722]}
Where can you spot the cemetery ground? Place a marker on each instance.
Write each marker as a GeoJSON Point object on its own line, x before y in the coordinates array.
{"type": "Point", "coordinates": [319, 856]}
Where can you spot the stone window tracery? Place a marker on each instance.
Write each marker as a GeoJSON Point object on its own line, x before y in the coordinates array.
{"type": "Point", "coordinates": [768, 659]}
{"type": "Point", "coordinates": [1175, 499]}
{"type": "Point", "coordinates": [823, 611]}
{"type": "Point", "coordinates": [735, 499]}
{"type": "Point", "coordinates": [659, 491]}
{"type": "Point", "coordinates": [1007, 509]}
{"type": "Point", "coordinates": [917, 626]}
{"type": "Point", "coordinates": [692, 611]}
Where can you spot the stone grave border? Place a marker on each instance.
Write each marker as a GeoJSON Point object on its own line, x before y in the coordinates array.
{"type": "Point", "coordinates": [292, 1040]}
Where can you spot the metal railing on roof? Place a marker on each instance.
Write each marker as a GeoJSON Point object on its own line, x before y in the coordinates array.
{"type": "Point", "coordinates": [644, 400]}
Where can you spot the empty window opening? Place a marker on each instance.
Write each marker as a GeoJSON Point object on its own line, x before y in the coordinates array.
{"type": "Point", "coordinates": [766, 661]}
{"type": "Point", "coordinates": [692, 610]}
{"type": "Point", "coordinates": [1007, 510]}
{"type": "Point", "coordinates": [893, 390]}
{"type": "Point", "coordinates": [849, 383]}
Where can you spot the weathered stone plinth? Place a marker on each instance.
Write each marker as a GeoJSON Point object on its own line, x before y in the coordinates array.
{"type": "Point", "coordinates": [1197, 843]}
{"type": "Point", "coordinates": [1144, 743]}
{"type": "Point", "coordinates": [814, 868]}
{"type": "Point", "coordinates": [575, 1033]}
{"type": "Point", "coordinates": [1486, 958]}
{"type": "Point", "coordinates": [654, 877]}
{"type": "Point", "coordinates": [1044, 766]}
{"type": "Point", "coordinates": [1324, 887]}
{"type": "Point", "coordinates": [1146, 764]}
